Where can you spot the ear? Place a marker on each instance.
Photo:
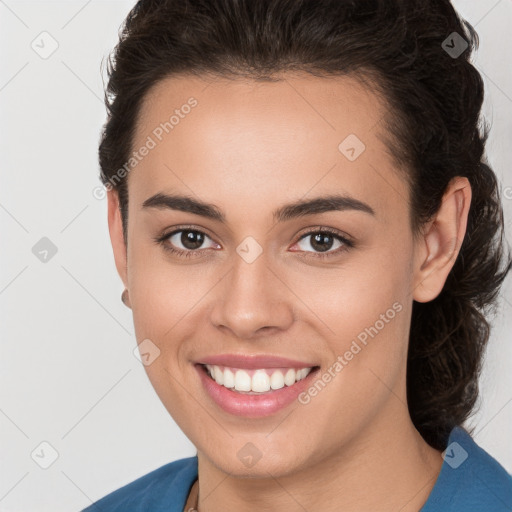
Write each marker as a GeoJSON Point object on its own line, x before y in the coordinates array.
{"type": "Point", "coordinates": [115, 227]}
{"type": "Point", "coordinates": [438, 246]}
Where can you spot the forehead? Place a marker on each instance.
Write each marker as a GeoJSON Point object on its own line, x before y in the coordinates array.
{"type": "Point", "coordinates": [328, 104]}
{"type": "Point", "coordinates": [220, 136]}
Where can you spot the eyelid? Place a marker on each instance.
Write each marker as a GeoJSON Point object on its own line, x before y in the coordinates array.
{"type": "Point", "coordinates": [186, 227]}
{"type": "Point", "coordinates": [324, 229]}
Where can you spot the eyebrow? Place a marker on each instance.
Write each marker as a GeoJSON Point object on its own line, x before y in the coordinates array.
{"type": "Point", "coordinates": [289, 211]}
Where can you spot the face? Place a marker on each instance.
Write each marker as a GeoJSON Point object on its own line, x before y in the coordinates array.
{"type": "Point", "coordinates": [257, 271]}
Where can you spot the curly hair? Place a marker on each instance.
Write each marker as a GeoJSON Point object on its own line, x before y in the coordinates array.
{"type": "Point", "coordinates": [434, 98]}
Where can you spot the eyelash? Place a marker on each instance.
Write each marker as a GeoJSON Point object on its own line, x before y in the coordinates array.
{"type": "Point", "coordinates": [347, 244]}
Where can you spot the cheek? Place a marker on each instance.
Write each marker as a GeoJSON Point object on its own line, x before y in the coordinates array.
{"type": "Point", "coordinates": [353, 296]}
{"type": "Point", "coordinates": [167, 310]}
{"type": "Point", "coordinates": [170, 307]}
{"type": "Point", "coordinates": [166, 300]}
{"type": "Point", "coordinates": [364, 318]}
{"type": "Point", "coordinates": [363, 313]}
{"type": "Point", "coordinates": [162, 290]}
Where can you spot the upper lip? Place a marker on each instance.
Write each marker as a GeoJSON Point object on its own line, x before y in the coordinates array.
{"type": "Point", "coordinates": [253, 362]}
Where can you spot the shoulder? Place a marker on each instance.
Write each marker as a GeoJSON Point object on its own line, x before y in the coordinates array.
{"type": "Point", "coordinates": [470, 479]}
{"type": "Point", "coordinates": [164, 489]}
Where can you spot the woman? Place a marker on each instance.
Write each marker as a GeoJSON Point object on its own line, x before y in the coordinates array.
{"type": "Point", "coordinates": [310, 238]}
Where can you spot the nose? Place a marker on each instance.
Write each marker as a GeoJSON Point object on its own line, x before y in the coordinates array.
{"type": "Point", "coordinates": [253, 300]}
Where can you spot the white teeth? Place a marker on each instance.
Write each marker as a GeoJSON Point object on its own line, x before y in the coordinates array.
{"type": "Point", "coordinates": [277, 380]}
{"type": "Point", "coordinates": [229, 378]}
{"type": "Point", "coordinates": [262, 380]}
{"type": "Point", "coordinates": [242, 381]}
{"type": "Point", "coordinates": [289, 378]}
{"type": "Point", "coordinates": [302, 373]}
{"type": "Point", "coordinates": [218, 374]}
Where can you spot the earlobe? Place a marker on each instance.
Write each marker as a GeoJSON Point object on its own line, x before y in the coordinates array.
{"type": "Point", "coordinates": [441, 240]}
{"type": "Point", "coordinates": [115, 227]}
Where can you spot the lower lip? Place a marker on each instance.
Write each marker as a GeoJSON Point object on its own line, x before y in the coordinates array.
{"type": "Point", "coordinates": [253, 406]}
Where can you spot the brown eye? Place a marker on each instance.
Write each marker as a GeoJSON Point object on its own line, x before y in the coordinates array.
{"type": "Point", "coordinates": [191, 239]}
{"type": "Point", "coordinates": [187, 239]}
{"type": "Point", "coordinates": [322, 241]}
{"type": "Point", "coordinates": [185, 242]}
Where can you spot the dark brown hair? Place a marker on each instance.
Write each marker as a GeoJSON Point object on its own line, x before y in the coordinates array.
{"type": "Point", "coordinates": [434, 101]}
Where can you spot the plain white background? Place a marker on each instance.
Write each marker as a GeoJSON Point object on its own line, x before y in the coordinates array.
{"type": "Point", "coordinates": [68, 376]}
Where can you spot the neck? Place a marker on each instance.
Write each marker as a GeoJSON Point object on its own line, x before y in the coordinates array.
{"type": "Point", "coordinates": [386, 467]}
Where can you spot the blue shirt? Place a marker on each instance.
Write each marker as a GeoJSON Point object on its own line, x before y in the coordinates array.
{"type": "Point", "coordinates": [470, 480]}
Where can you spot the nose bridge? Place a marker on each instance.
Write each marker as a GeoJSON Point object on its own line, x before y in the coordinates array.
{"type": "Point", "coordinates": [251, 297]}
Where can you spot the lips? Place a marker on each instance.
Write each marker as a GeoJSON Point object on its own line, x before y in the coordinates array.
{"type": "Point", "coordinates": [254, 386]}
{"type": "Point", "coordinates": [254, 362]}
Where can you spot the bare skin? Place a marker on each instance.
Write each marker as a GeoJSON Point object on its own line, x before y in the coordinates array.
{"type": "Point", "coordinates": [249, 148]}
